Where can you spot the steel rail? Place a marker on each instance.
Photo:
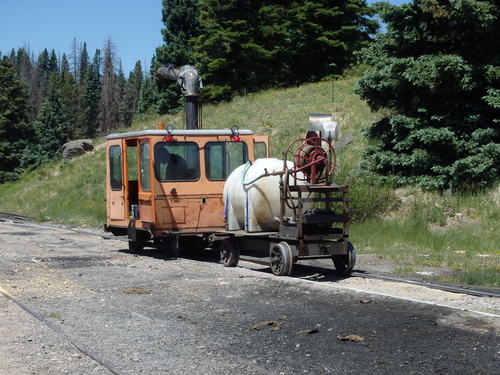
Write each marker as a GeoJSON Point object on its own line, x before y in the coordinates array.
{"type": "Point", "coordinates": [61, 333]}
{"type": "Point", "coordinates": [447, 288]}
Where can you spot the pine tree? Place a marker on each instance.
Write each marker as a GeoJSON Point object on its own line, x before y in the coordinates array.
{"type": "Point", "coordinates": [91, 98]}
{"type": "Point", "coordinates": [131, 95]}
{"type": "Point", "coordinates": [52, 129]}
{"type": "Point", "coordinates": [84, 64]}
{"type": "Point", "coordinates": [75, 59]}
{"type": "Point", "coordinates": [109, 117]}
{"type": "Point", "coordinates": [307, 38]}
{"type": "Point", "coordinates": [121, 82]}
{"type": "Point", "coordinates": [14, 131]}
{"type": "Point", "coordinates": [228, 49]}
{"type": "Point", "coordinates": [52, 65]}
{"type": "Point", "coordinates": [437, 73]}
{"type": "Point", "coordinates": [148, 97]}
{"type": "Point", "coordinates": [247, 45]}
{"type": "Point", "coordinates": [68, 96]}
{"type": "Point", "coordinates": [181, 27]}
{"type": "Point", "coordinates": [24, 67]}
{"type": "Point", "coordinates": [38, 88]}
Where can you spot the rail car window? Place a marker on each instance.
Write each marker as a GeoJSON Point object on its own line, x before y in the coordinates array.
{"type": "Point", "coordinates": [259, 150]}
{"type": "Point", "coordinates": [145, 184]}
{"type": "Point", "coordinates": [132, 162]}
{"type": "Point", "coordinates": [115, 167]}
{"type": "Point", "coordinates": [221, 158]}
{"type": "Point", "coordinates": [177, 161]}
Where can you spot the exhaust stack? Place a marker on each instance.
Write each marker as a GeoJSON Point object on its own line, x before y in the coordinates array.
{"type": "Point", "coordinates": [189, 81]}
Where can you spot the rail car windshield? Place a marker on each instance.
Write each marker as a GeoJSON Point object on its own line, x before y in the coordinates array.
{"type": "Point", "coordinates": [177, 161]}
{"type": "Point", "coordinates": [221, 158]}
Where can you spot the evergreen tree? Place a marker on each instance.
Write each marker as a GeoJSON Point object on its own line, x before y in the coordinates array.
{"type": "Point", "coordinates": [307, 38]}
{"type": "Point", "coordinates": [91, 98]}
{"type": "Point", "coordinates": [181, 27]}
{"type": "Point", "coordinates": [12, 55]}
{"type": "Point", "coordinates": [14, 131]}
{"type": "Point", "coordinates": [52, 129]}
{"type": "Point", "coordinates": [228, 49]}
{"type": "Point", "coordinates": [52, 65]}
{"type": "Point", "coordinates": [24, 67]}
{"type": "Point", "coordinates": [248, 45]}
{"type": "Point", "coordinates": [84, 64]}
{"type": "Point", "coordinates": [131, 95]}
{"type": "Point", "coordinates": [38, 88]}
{"type": "Point", "coordinates": [437, 73]}
{"type": "Point", "coordinates": [68, 94]}
{"type": "Point", "coordinates": [148, 97]}
{"type": "Point", "coordinates": [75, 59]}
{"type": "Point", "coordinates": [121, 83]}
{"type": "Point", "coordinates": [109, 117]}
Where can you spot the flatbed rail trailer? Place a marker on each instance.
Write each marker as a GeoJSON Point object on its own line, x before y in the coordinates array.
{"type": "Point", "coordinates": [316, 234]}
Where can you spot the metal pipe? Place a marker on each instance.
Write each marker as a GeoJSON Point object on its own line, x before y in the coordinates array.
{"type": "Point", "coordinates": [191, 112]}
{"type": "Point", "coordinates": [189, 81]}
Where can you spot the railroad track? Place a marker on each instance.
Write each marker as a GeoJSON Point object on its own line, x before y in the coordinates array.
{"type": "Point", "coordinates": [67, 338]}
{"type": "Point", "coordinates": [8, 216]}
{"type": "Point", "coordinates": [447, 288]}
{"type": "Point", "coordinates": [363, 274]}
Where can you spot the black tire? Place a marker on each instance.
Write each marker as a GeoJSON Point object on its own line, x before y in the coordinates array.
{"type": "Point", "coordinates": [135, 246]}
{"type": "Point", "coordinates": [344, 264]}
{"type": "Point", "coordinates": [229, 252]}
{"type": "Point", "coordinates": [281, 259]}
{"type": "Point", "coordinates": [168, 246]}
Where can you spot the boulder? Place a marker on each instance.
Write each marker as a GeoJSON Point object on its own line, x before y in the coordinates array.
{"type": "Point", "coordinates": [76, 148]}
{"type": "Point", "coordinates": [344, 141]}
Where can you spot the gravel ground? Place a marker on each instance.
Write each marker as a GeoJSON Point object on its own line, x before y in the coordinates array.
{"type": "Point", "coordinates": [144, 314]}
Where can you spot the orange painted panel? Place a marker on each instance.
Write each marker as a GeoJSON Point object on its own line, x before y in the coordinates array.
{"type": "Point", "coordinates": [116, 207]}
{"type": "Point", "coordinates": [146, 210]}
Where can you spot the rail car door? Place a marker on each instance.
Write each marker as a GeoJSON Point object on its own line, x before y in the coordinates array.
{"type": "Point", "coordinates": [145, 194]}
{"type": "Point", "coordinates": [115, 189]}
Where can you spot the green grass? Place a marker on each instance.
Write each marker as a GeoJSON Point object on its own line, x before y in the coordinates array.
{"type": "Point", "coordinates": [70, 192]}
{"type": "Point", "coordinates": [454, 232]}
{"type": "Point", "coordinates": [405, 225]}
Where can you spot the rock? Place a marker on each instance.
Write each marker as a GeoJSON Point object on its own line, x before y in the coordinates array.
{"type": "Point", "coordinates": [355, 338]}
{"type": "Point", "coordinates": [76, 148]}
{"type": "Point", "coordinates": [344, 141]}
{"type": "Point", "coordinates": [307, 331]}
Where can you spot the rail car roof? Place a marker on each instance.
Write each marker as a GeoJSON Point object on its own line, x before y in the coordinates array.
{"type": "Point", "coordinates": [141, 133]}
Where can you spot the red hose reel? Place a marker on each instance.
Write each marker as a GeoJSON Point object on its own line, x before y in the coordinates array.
{"type": "Point", "coordinates": [314, 157]}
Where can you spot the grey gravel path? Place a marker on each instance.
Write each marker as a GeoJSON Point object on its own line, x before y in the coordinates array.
{"type": "Point", "coordinates": [145, 314]}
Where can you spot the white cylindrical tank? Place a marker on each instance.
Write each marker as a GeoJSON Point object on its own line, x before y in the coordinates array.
{"type": "Point", "coordinates": [254, 206]}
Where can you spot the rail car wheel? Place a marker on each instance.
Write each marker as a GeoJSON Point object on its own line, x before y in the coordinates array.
{"type": "Point", "coordinates": [281, 259]}
{"type": "Point", "coordinates": [344, 263]}
{"type": "Point", "coordinates": [229, 252]}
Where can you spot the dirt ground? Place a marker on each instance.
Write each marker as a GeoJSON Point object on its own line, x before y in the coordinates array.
{"type": "Point", "coordinates": [79, 304]}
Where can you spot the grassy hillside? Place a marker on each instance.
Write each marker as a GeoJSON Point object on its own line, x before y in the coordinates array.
{"type": "Point", "coordinates": [409, 226]}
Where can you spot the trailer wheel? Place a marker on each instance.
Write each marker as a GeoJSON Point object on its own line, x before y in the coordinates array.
{"type": "Point", "coordinates": [281, 259]}
{"type": "Point", "coordinates": [229, 252]}
{"type": "Point", "coordinates": [344, 263]}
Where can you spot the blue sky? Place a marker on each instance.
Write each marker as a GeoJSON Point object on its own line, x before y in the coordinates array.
{"type": "Point", "coordinates": [134, 26]}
